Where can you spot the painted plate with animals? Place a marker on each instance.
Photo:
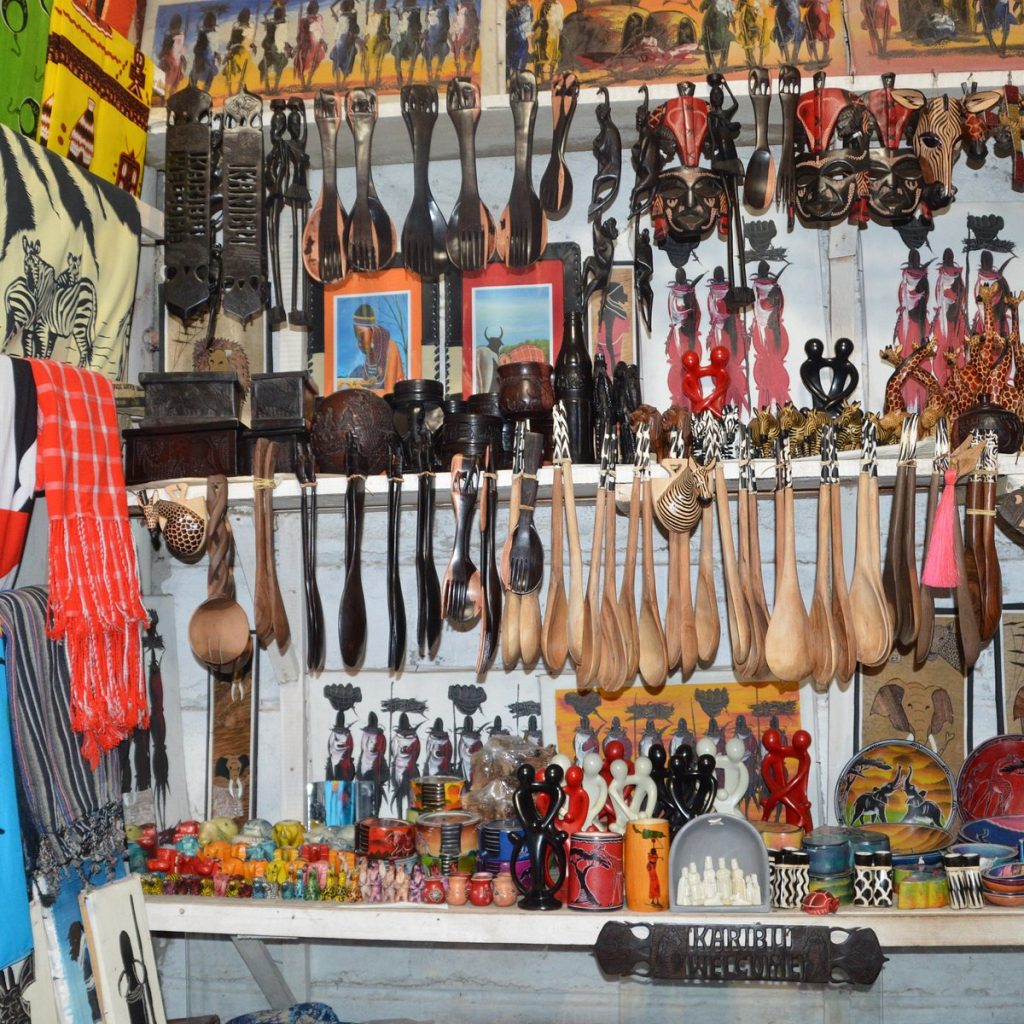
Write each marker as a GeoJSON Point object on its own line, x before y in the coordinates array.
{"type": "Point", "coordinates": [896, 781]}
{"type": "Point", "coordinates": [991, 782]}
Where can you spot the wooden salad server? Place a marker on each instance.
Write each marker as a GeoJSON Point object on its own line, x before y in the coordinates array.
{"type": "Point", "coordinates": [940, 463]}
{"type": "Point", "coordinates": [425, 232]}
{"type": "Point", "coordinates": [554, 638]}
{"type": "Point", "coordinates": [316, 630]}
{"type": "Point", "coordinates": [754, 666]}
{"type": "Point", "coordinates": [735, 605]}
{"type": "Point", "coordinates": [323, 251]}
{"type": "Point", "coordinates": [490, 583]}
{"type": "Point", "coordinates": [370, 238]}
{"type": "Point", "coordinates": [556, 182]}
{"type": "Point", "coordinates": [842, 613]}
{"type": "Point", "coordinates": [460, 589]}
{"type": "Point", "coordinates": [510, 648]}
{"type": "Point", "coordinates": [992, 581]}
{"type": "Point", "coordinates": [471, 233]}
{"type": "Point", "coordinates": [653, 658]}
{"type": "Point", "coordinates": [824, 645]}
{"type": "Point", "coordinates": [785, 180]}
{"type": "Point", "coordinates": [396, 601]}
{"type": "Point", "coordinates": [899, 574]}
{"type": "Point", "coordinates": [428, 586]}
{"type": "Point", "coordinates": [526, 557]}
{"type": "Point", "coordinates": [707, 622]}
{"type": "Point", "coordinates": [757, 593]}
{"type": "Point", "coordinates": [867, 598]}
{"type": "Point", "coordinates": [576, 624]}
{"type": "Point", "coordinates": [875, 538]}
{"type": "Point", "coordinates": [628, 622]}
{"type": "Point", "coordinates": [611, 673]}
{"type": "Point", "coordinates": [673, 636]}
{"type": "Point", "coordinates": [522, 227]}
{"type": "Point", "coordinates": [352, 612]}
{"type": "Point", "coordinates": [687, 618]}
{"type": "Point", "coordinates": [787, 646]}
{"type": "Point", "coordinates": [586, 667]}
{"type": "Point", "coordinates": [759, 180]}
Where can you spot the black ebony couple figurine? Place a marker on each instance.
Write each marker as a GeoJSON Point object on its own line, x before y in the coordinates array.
{"type": "Point", "coordinates": [686, 785]}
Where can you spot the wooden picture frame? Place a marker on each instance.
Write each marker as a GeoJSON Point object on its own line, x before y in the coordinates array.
{"type": "Point", "coordinates": [620, 316]}
{"type": "Point", "coordinates": [403, 306]}
{"type": "Point", "coordinates": [540, 294]}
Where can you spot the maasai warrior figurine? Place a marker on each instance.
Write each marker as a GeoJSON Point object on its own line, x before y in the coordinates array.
{"type": "Point", "coordinates": [912, 314]}
{"type": "Point", "coordinates": [584, 740]}
{"type": "Point", "coordinates": [726, 328]}
{"type": "Point", "coordinates": [650, 736]}
{"type": "Point", "coordinates": [949, 323]}
{"type": "Point", "coordinates": [785, 791]}
{"type": "Point", "coordinates": [372, 765]}
{"type": "Point", "coordinates": [769, 338]}
{"type": "Point", "coordinates": [340, 765]}
{"type": "Point", "coordinates": [540, 837]}
{"type": "Point", "coordinates": [469, 744]}
{"type": "Point", "coordinates": [1001, 311]}
{"type": "Point", "coordinates": [438, 760]}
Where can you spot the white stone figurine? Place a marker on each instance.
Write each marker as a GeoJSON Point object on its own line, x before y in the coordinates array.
{"type": "Point", "coordinates": [753, 890]}
{"type": "Point", "coordinates": [736, 775]}
{"type": "Point", "coordinates": [619, 771]}
{"type": "Point", "coordinates": [739, 883]}
{"type": "Point", "coordinates": [723, 878]}
{"type": "Point", "coordinates": [645, 792]}
{"type": "Point", "coordinates": [595, 787]}
{"type": "Point", "coordinates": [683, 889]}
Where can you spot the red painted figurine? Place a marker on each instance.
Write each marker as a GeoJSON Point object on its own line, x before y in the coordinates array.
{"type": "Point", "coordinates": [694, 373]}
{"type": "Point", "coordinates": [790, 793]}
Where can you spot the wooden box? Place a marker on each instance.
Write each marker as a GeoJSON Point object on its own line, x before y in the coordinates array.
{"type": "Point", "coordinates": [288, 444]}
{"type": "Point", "coordinates": [191, 398]}
{"type": "Point", "coordinates": [283, 401]}
{"type": "Point", "coordinates": [182, 451]}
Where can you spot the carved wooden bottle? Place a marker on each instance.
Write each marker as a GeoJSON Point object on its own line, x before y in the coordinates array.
{"type": "Point", "coordinates": [574, 388]}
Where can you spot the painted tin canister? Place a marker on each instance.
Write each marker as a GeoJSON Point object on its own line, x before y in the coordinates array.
{"type": "Point", "coordinates": [829, 853]}
{"type": "Point", "coordinates": [595, 871]}
{"type": "Point", "coordinates": [645, 862]}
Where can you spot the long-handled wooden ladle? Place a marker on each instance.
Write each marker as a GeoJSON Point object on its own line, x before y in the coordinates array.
{"type": "Point", "coordinates": [611, 673]}
{"type": "Point", "coordinates": [757, 618]}
{"type": "Point", "coordinates": [628, 621]}
{"type": "Point", "coordinates": [653, 659]}
{"type": "Point", "coordinates": [824, 646]}
{"type": "Point", "coordinates": [842, 613]}
{"type": "Point", "coordinates": [586, 667]}
{"type": "Point", "coordinates": [707, 622]}
{"type": "Point", "coordinates": [554, 641]}
{"type": "Point", "coordinates": [867, 599]}
{"type": "Point", "coordinates": [787, 646]}
{"type": "Point", "coordinates": [758, 599]}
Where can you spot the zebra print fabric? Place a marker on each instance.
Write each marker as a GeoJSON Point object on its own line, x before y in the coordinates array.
{"type": "Point", "coordinates": [70, 813]}
{"type": "Point", "coordinates": [17, 462]}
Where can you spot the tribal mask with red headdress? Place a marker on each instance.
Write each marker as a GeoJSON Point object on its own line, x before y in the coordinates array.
{"type": "Point", "coordinates": [895, 183]}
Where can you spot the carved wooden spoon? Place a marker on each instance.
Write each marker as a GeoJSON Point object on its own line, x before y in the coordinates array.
{"type": "Point", "coordinates": [824, 645]}
{"type": "Point", "coordinates": [708, 625]}
{"type": "Point", "coordinates": [627, 593]}
{"type": "Point", "coordinates": [554, 641]}
{"type": "Point", "coordinates": [586, 667]}
{"type": "Point", "coordinates": [575, 624]}
{"type": "Point", "coordinates": [758, 617]}
{"type": "Point", "coordinates": [759, 600]}
{"type": "Point", "coordinates": [786, 644]}
{"type": "Point", "coordinates": [653, 659]}
{"type": "Point", "coordinates": [612, 671]}
{"type": "Point", "coordinates": [842, 613]}
{"type": "Point", "coordinates": [735, 605]}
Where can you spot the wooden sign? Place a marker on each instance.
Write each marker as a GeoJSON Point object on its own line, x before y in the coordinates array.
{"type": "Point", "coordinates": [812, 955]}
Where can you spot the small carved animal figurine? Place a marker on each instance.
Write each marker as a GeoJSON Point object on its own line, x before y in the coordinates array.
{"type": "Point", "coordinates": [871, 806]}
{"type": "Point", "coordinates": [918, 808]}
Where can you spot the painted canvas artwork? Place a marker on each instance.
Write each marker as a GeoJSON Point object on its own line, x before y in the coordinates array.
{"type": "Point", "coordinates": [378, 740]}
{"type": "Point", "coordinates": [295, 47]}
{"type": "Point", "coordinates": [611, 325]}
{"type": "Point", "coordinates": [628, 42]}
{"type": "Point", "coordinates": [679, 714]}
{"type": "Point", "coordinates": [511, 323]}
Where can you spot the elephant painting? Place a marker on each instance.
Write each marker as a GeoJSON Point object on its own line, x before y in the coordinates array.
{"type": "Point", "coordinates": [920, 711]}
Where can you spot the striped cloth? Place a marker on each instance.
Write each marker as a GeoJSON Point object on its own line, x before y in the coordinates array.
{"type": "Point", "coordinates": [95, 601]}
{"type": "Point", "coordinates": [17, 462]}
{"type": "Point", "coordinates": [70, 813]}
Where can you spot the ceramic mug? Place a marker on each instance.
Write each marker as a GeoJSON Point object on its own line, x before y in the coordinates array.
{"type": "Point", "coordinates": [645, 859]}
{"type": "Point", "coordinates": [505, 892]}
{"type": "Point", "coordinates": [457, 894]}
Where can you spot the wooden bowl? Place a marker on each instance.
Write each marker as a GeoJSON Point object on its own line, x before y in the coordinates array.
{"type": "Point", "coordinates": [359, 415]}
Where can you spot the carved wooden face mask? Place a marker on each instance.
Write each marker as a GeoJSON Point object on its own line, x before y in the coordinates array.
{"type": "Point", "coordinates": [827, 185]}
{"type": "Point", "coordinates": [895, 184]}
{"type": "Point", "coordinates": [686, 203]}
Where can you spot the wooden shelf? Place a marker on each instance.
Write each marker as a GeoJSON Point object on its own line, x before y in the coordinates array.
{"type": "Point", "coordinates": [806, 476]}
{"type": "Point", "coordinates": [990, 928]}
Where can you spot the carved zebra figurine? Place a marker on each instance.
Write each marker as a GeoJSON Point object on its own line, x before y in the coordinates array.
{"type": "Point", "coordinates": [48, 306]}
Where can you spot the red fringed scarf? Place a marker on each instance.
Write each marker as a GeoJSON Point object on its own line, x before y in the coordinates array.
{"type": "Point", "coordinates": [95, 604]}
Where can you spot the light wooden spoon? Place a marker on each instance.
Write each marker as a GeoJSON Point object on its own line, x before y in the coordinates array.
{"type": "Point", "coordinates": [672, 623]}
{"type": "Point", "coordinates": [709, 628]}
{"type": "Point", "coordinates": [824, 647]}
{"type": "Point", "coordinates": [758, 619]}
{"type": "Point", "coordinates": [875, 538]}
{"type": "Point", "coordinates": [653, 659]}
{"type": "Point", "coordinates": [530, 629]}
{"type": "Point", "coordinates": [759, 600]}
{"type": "Point", "coordinates": [687, 620]}
{"type": "Point", "coordinates": [575, 622]}
{"type": "Point", "coordinates": [627, 593]}
{"type": "Point", "coordinates": [554, 639]}
{"type": "Point", "coordinates": [735, 605]}
{"type": "Point", "coordinates": [586, 667]}
{"type": "Point", "coordinates": [842, 612]}
{"type": "Point", "coordinates": [870, 619]}
{"type": "Point", "coordinates": [786, 644]}
{"type": "Point", "coordinates": [611, 673]}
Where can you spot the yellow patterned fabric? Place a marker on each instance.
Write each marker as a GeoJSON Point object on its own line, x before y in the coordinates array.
{"type": "Point", "coordinates": [97, 89]}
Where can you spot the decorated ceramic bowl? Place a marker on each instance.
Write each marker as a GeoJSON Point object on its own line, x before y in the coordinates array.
{"type": "Point", "coordinates": [989, 854]}
{"type": "Point", "coordinates": [1006, 830]}
{"type": "Point", "coordinates": [1005, 878]}
{"type": "Point", "coordinates": [1002, 899]}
